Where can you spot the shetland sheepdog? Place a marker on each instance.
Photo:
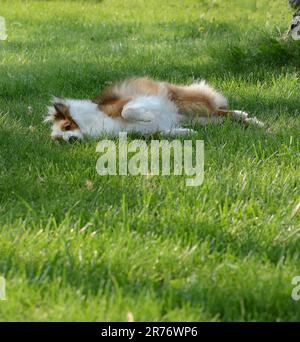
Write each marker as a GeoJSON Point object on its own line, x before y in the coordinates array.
{"type": "Point", "coordinates": [141, 105]}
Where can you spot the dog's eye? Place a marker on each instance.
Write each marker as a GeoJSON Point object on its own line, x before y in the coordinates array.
{"type": "Point", "coordinates": [67, 127]}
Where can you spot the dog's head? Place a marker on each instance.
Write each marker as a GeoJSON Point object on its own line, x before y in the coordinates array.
{"type": "Point", "coordinates": [64, 127]}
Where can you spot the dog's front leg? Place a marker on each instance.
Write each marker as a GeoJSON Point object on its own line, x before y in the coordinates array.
{"type": "Point", "coordinates": [131, 112]}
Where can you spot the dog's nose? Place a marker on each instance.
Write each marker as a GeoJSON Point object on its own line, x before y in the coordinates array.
{"type": "Point", "coordinates": [72, 139]}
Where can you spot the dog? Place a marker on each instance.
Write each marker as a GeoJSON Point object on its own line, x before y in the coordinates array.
{"type": "Point", "coordinates": [141, 105]}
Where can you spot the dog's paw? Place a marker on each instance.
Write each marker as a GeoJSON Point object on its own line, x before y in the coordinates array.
{"type": "Point", "coordinates": [137, 114]}
{"type": "Point", "coordinates": [239, 115]}
{"type": "Point", "coordinates": [254, 121]}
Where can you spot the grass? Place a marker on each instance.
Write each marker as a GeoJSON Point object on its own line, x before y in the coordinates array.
{"type": "Point", "coordinates": [78, 246]}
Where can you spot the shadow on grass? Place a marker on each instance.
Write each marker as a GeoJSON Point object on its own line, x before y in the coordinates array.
{"type": "Point", "coordinates": [256, 59]}
{"type": "Point", "coordinates": [267, 53]}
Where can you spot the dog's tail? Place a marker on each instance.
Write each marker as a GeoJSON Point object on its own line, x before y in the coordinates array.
{"type": "Point", "coordinates": [198, 99]}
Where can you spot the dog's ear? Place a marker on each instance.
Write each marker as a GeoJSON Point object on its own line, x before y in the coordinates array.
{"type": "Point", "coordinates": [62, 110]}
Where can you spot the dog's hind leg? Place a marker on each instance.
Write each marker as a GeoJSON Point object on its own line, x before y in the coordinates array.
{"type": "Point", "coordinates": [238, 115]}
{"type": "Point", "coordinates": [196, 100]}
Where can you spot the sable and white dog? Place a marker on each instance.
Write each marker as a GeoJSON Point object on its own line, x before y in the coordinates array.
{"type": "Point", "coordinates": [141, 105]}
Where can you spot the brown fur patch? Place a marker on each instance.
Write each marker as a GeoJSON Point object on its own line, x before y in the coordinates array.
{"type": "Point", "coordinates": [144, 85]}
{"type": "Point", "coordinates": [68, 125]}
{"type": "Point", "coordinates": [112, 100]}
{"type": "Point", "coordinates": [63, 116]}
{"type": "Point", "coordinates": [190, 101]}
{"type": "Point", "coordinates": [223, 112]}
{"type": "Point", "coordinates": [113, 106]}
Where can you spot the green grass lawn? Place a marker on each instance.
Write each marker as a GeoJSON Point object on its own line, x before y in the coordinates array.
{"type": "Point", "coordinates": [78, 246]}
